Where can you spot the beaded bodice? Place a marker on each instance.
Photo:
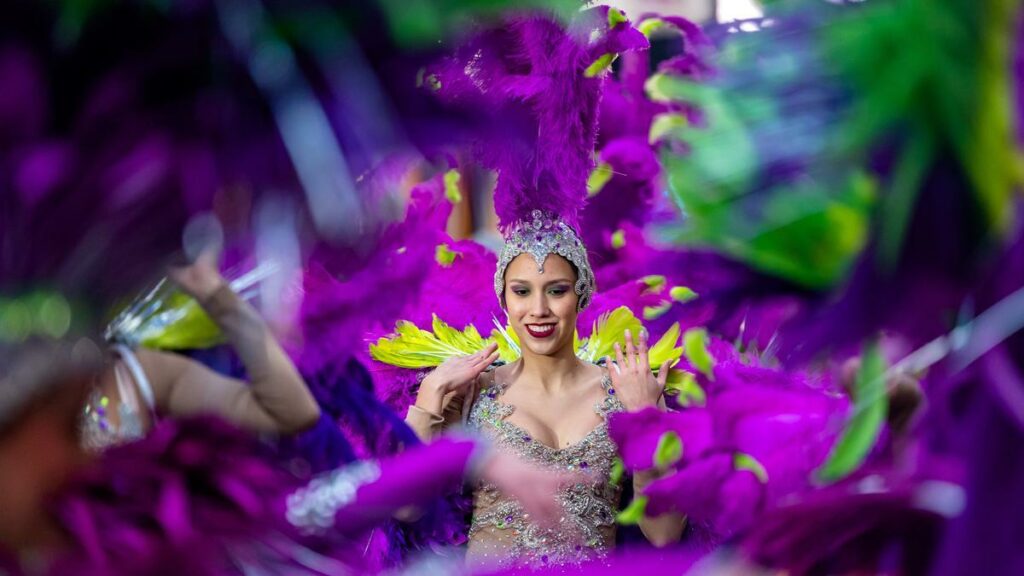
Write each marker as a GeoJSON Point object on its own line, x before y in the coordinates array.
{"type": "Point", "coordinates": [501, 532]}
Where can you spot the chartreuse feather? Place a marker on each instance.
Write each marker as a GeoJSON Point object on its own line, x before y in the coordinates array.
{"type": "Point", "coordinates": [508, 342]}
{"type": "Point", "coordinates": [468, 340]}
{"type": "Point", "coordinates": [634, 513]}
{"type": "Point", "coordinates": [871, 404]}
{"type": "Point", "coordinates": [666, 349]}
{"type": "Point", "coordinates": [996, 165]}
{"type": "Point", "coordinates": [742, 461]}
{"type": "Point", "coordinates": [188, 326]}
{"type": "Point", "coordinates": [413, 347]}
{"type": "Point", "coordinates": [168, 319]}
{"type": "Point", "coordinates": [683, 385]}
{"type": "Point", "coordinates": [608, 329]}
{"type": "Point", "coordinates": [669, 450]}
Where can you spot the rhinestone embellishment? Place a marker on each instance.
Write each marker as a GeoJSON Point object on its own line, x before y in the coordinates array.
{"type": "Point", "coordinates": [543, 235]}
{"type": "Point", "coordinates": [499, 526]}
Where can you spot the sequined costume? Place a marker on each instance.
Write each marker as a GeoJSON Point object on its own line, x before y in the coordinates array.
{"type": "Point", "coordinates": [500, 531]}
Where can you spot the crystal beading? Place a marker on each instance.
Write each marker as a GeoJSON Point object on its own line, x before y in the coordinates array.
{"type": "Point", "coordinates": [501, 531]}
{"type": "Point", "coordinates": [543, 235]}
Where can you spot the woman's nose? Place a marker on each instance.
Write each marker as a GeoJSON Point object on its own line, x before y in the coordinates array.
{"type": "Point", "coordinates": [539, 306]}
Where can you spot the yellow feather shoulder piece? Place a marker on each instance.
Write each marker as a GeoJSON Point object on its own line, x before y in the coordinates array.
{"type": "Point", "coordinates": [415, 348]}
{"type": "Point", "coordinates": [611, 328]}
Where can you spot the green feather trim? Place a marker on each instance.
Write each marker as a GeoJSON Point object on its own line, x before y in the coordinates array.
{"type": "Point", "coordinates": [610, 328]}
{"type": "Point", "coordinates": [415, 348]}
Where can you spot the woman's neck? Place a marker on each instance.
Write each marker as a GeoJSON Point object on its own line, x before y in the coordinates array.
{"type": "Point", "coordinates": [553, 374]}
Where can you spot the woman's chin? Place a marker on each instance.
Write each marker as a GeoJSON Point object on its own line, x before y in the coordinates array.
{"type": "Point", "coordinates": [547, 347]}
{"type": "Point", "coordinates": [541, 350]}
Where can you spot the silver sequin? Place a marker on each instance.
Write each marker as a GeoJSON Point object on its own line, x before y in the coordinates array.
{"type": "Point", "coordinates": [312, 509]}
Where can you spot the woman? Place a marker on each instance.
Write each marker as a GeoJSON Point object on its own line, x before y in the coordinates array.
{"type": "Point", "coordinates": [142, 385]}
{"type": "Point", "coordinates": [549, 407]}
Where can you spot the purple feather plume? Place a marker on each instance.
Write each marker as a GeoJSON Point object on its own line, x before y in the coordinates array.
{"type": "Point", "coordinates": [531, 74]}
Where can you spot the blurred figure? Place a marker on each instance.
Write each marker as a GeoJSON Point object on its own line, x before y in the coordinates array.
{"type": "Point", "coordinates": [140, 386]}
{"type": "Point", "coordinates": [43, 384]}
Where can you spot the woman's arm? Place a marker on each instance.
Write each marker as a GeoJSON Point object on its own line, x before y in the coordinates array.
{"type": "Point", "coordinates": [429, 422]}
{"type": "Point", "coordinates": [659, 530]}
{"type": "Point", "coordinates": [445, 390]}
{"type": "Point", "coordinates": [638, 389]}
{"type": "Point", "coordinates": [276, 398]}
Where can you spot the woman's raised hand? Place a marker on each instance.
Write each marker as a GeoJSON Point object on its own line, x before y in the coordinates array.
{"type": "Point", "coordinates": [458, 373]}
{"type": "Point", "coordinates": [634, 383]}
{"type": "Point", "coordinates": [201, 278]}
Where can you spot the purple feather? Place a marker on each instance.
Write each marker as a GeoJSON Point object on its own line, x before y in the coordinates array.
{"type": "Point", "coordinates": [693, 59]}
{"type": "Point", "coordinates": [530, 74]}
{"type": "Point", "coordinates": [350, 296]}
{"type": "Point", "coordinates": [783, 420]}
{"type": "Point", "coordinates": [190, 492]}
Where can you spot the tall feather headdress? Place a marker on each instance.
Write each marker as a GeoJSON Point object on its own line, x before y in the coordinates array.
{"type": "Point", "coordinates": [540, 84]}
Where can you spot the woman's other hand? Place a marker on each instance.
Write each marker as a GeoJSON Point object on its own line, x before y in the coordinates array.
{"type": "Point", "coordinates": [634, 383]}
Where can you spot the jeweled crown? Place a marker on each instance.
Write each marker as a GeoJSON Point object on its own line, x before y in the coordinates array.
{"type": "Point", "coordinates": [546, 234]}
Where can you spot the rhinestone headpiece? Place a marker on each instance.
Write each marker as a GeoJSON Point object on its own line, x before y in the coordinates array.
{"type": "Point", "coordinates": [546, 234]}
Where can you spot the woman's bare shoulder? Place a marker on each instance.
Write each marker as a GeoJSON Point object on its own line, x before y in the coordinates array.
{"type": "Point", "coordinates": [592, 373]}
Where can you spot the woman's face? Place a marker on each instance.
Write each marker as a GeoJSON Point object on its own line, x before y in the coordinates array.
{"type": "Point", "coordinates": [541, 305]}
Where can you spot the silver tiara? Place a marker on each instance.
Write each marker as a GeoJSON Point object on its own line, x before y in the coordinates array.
{"type": "Point", "coordinates": [546, 234]}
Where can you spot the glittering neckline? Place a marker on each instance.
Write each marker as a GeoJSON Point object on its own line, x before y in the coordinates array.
{"type": "Point", "coordinates": [509, 409]}
{"type": "Point", "coordinates": [568, 447]}
{"type": "Point", "coordinates": [501, 531]}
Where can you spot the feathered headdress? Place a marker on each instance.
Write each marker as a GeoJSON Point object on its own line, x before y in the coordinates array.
{"type": "Point", "coordinates": [540, 82]}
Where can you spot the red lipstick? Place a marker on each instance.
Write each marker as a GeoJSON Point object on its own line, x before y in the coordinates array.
{"type": "Point", "coordinates": [540, 330]}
